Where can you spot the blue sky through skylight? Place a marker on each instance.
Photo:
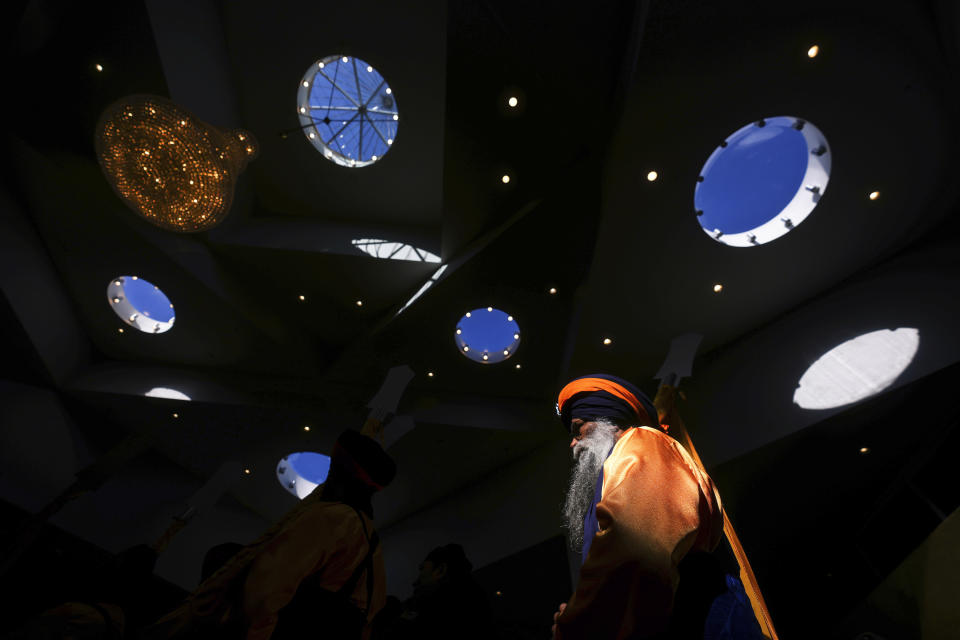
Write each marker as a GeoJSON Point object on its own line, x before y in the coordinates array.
{"type": "Point", "coordinates": [487, 331]}
{"type": "Point", "coordinates": [349, 111]}
{"type": "Point", "coordinates": [310, 466]}
{"type": "Point", "coordinates": [753, 178]}
{"type": "Point", "coordinates": [147, 299]}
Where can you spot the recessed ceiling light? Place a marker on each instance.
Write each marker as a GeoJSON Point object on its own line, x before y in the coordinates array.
{"type": "Point", "coordinates": [505, 179]}
{"type": "Point", "coordinates": [246, 471]}
{"type": "Point", "coordinates": [120, 330]}
{"type": "Point", "coordinates": [512, 101]}
{"type": "Point", "coordinates": [176, 415]}
{"type": "Point", "coordinates": [346, 59]}
{"type": "Point", "coordinates": [306, 84]}
{"type": "Point", "coordinates": [813, 51]}
{"type": "Point", "coordinates": [98, 67]}
{"type": "Point", "coordinates": [874, 195]}
{"type": "Point", "coordinates": [369, 69]}
{"type": "Point", "coordinates": [518, 366]}
{"type": "Point", "coordinates": [389, 91]}
{"type": "Point", "coordinates": [302, 298]}
{"type": "Point", "coordinates": [467, 314]}
{"type": "Point", "coordinates": [429, 374]}
{"type": "Point", "coordinates": [652, 176]}
{"type": "Point", "coordinates": [864, 450]}
{"type": "Point", "coordinates": [486, 357]}
{"type": "Point", "coordinates": [607, 341]}
{"type": "Point", "coordinates": [359, 303]}
{"type": "Point", "coordinates": [552, 291]}
{"type": "Point", "coordinates": [717, 288]}
{"type": "Point", "coordinates": [459, 331]}
{"type": "Point", "coordinates": [306, 427]}
{"type": "Point", "coordinates": [303, 109]}
{"type": "Point", "coordinates": [491, 309]}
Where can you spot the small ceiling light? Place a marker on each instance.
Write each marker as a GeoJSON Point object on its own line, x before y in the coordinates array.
{"type": "Point", "coordinates": [864, 450]}
{"type": "Point", "coordinates": [512, 101]}
{"type": "Point", "coordinates": [369, 69]}
{"type": "Point", "coordinates": [306, 427]}
{"type": "Point", "coordinates": [312, 135]}
{"type": "Point", "coordinates": [553, 291]}
{"type": "Point", "coordinates": [396, 117]}
{"type": "Point", "coordinates": [359, 303]}
{"type": "Point", "coordinates": [302, 298]}
{"type": "Point", "coordinates": [652, 176]}
{"type": "Point", "coordinates": [874, 195]}
{"type": "Point", "coordinates": [320, 65]}
{"type": "Point", "coordinates": [518, 366]}
{"type": "Point", "coordinates": [389, 91]}
{"type": "Point", "coordinates": [486, 357]}
{"type": "Point", "coordinates": [466, 348]}
{"type": "Point", "coordinates": [459, 331]}
{"type": "Point", "coordinates": [516, 336]}
{"type": "Point", "coordinates": [133, 277]}
{"type": "Point", "coordinates": [303, 109]}
{"type": "Point", "coordinates": [429, 374]}
{"type": "Point", "coordinates": [346, 59]}
{"type": "Point", "coordinates": [176, 415]}
{"type": "Point", "coordinates": [120, 330]}
{"type": "Point", "coordinates": [389, 140]}
{"type": "Point", "coordinates": [490, 309]}
{"type": "Point", "coordinates": [607, 341]}
{"type": "Point", "coordinates": [506, 352]}
{"type": "Point", "coordinates": [98, 67]}
{"type": "Point", "coordinates": [499, 593]}
{"type": "Point", "coordinates": [373, 157]}
{"type": "Point", "coordinates": [116, 301]}
{"type": "Point", "coordinates": [505, 179]}
{"type": "Point", "coordinates": [467, 314]}
{"type": "Point", "coordinates": [246, 471]}
{"type": "Point", "coordinates": [717, 288]}
{"type": "Point", "coordinates": [813, 51]}
{"type": "Point", "coordinates": [306, 84]}
{"type": "Point", "coordinates": [509, 318]}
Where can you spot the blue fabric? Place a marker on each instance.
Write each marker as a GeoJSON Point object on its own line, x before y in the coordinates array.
{"type": "Point", "coordinates": [590, 523]}
{"type": "Point", "coordinates": [731, 617]}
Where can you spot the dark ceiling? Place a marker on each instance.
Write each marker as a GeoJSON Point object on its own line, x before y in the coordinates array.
{"type": "Point", "coordinates": [607, 93]}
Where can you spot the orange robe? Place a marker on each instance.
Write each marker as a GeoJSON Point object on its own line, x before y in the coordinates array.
{"type": "Point", "coordinates": [315, 537]}
{"type": "Point", "coordinates": [656, 506]}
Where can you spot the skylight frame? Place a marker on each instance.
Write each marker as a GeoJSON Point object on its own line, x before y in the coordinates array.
{"type": "Point", "coordinates": [129, 314]}
{"type": "Point", "coordinates": [812, 186]}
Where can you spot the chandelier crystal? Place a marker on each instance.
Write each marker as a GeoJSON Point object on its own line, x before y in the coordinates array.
{"type": "Point", "coordinates": [169, 166]}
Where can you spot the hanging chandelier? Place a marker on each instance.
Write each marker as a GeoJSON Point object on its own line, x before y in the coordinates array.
{"type": "Point", "coordinates": [172, 168]}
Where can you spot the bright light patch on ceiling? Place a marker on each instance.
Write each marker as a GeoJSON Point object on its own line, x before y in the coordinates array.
{"type": "Point", "coordinates": [487, 335]}
{"type": "Point", "coordinates": [347, 111]}
{"type": "Point", "coordinates": [386, 250]}
{"type": "Point", "coordinates": [434, 279]}
{"type": "Point", "coordinates": [169, 394]}
{"type": "Point", "coordinates": [300, 473]}
{"type": "Point", "coordinates": [762, 181]}
{"type": "Point", "coordinates": [140, 304]}
{"type": "Point", "coordinates": [857, 369]}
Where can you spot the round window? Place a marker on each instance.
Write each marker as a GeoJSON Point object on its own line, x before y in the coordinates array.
{"type": "Point", "coordinates": [762, 181]}
{"type": "Point", "coordinates": [347, 111]}
{"type": "Point", "coordinates": [487, 335]}
{"type": "Point", "coordinates": [140, 304]}
{"type": "Point", "coordinates": [300, 473]}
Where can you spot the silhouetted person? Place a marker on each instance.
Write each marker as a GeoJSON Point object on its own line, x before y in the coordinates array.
{"type": "Point", "coordinates": [317, 573]}
{"type": "Point", "coordinates": [447, 602]}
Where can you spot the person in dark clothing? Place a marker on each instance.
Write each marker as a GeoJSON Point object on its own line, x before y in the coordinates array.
{"type": "Point", "coordinates": [446, 603]}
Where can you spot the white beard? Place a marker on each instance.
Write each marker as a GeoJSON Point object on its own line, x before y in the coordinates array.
{"type": "Point", "coordinates": [588, 455]}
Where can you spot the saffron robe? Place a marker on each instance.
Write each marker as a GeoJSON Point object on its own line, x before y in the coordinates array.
{"type": "Point", "coordinates": [655, 507]}
{"type": "Point", "coordinates": [316, 537]}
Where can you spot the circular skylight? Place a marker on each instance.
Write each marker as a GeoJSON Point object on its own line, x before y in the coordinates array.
{"type": "Point", "coordinates": [857, 369]}
{"type": "Point", "coordinates": [140, 304]}
{"type": "Point", "coordinates": [300, 473]}
{"type": "Point", "coordinates": [762, 181]}
{"type": "Point", "coordinates": [347, 111]}
{"type": "Point", "coordinates": [487, 335]}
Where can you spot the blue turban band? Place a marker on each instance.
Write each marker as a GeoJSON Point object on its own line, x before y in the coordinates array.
{"type": "Point", "coordinates": [624, 404]}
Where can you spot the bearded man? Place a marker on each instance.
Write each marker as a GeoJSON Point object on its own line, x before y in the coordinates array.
{"type": "Point", "coordinates": [640, 510]}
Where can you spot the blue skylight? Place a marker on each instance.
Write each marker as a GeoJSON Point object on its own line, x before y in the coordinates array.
{"type": "Point", "coordinates": [300, 473]}
{"type": "Point", "coordinates": [487, 335]}
{"type": "Point", "coordinates": [347, 111]}
{"type": "Point", "coordinates": [141, 304]}
{"type": "Point", "coordinates": [763, 181]}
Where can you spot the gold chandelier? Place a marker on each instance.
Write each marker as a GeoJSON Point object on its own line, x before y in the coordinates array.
{"type": "Point", "coordinates": [173, 169]}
